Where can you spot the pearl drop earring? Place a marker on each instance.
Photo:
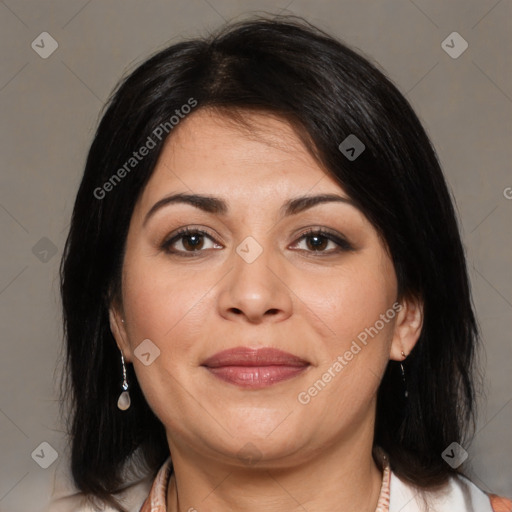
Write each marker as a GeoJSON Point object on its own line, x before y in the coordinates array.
{"type": "Point", "coordinates": [124, 401]}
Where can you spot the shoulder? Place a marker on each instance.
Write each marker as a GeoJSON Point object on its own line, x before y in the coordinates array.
{"type": "Point", "coordinates": [132, 498]}
{"type": "Point", "coordinates": [500, 504]}
{"type": "Point", "coordinates": [458, 494]}
{"type": "Point", "coordinates": [66, 497]}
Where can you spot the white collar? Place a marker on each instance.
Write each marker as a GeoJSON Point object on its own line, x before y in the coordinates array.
{"type": "Point", "coordinates": [459, 495]}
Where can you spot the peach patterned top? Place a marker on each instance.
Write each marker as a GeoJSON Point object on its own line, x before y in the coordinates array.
{"type": "Point", "coordinates": [156, 501]}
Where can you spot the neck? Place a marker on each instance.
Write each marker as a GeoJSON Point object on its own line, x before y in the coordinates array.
{"type": "Point", "coordinates": [343, 477]}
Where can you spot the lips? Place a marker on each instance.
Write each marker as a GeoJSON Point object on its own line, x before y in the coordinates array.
{"type": "Point", "coordinates": [254, 368]}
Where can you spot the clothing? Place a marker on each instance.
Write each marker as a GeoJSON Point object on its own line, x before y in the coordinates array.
{"type": "Point", "coordinates": [65, 497]}
{"type": "Point", "coordinates": [461, 495]}
{"type": "Point", "coordinates": [149, 495]}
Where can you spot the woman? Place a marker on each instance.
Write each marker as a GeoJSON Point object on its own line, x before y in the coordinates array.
{"type": "Point", "coordinates": [265, 293]}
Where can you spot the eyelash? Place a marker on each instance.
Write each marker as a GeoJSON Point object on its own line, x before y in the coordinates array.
{"type": "Point", "coordinates": [343, 244]}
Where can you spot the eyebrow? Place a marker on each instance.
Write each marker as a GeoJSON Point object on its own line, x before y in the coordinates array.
{"type": "Point", "coordinates": [218, 206]}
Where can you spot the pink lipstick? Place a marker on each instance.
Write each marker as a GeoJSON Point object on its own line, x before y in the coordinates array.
{"type": "Point", "coordinates": [254, 368]}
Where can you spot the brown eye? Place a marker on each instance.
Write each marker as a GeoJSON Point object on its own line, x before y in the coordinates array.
{"type": "Point", "coordinates": [192, 242]}
{"type": "Point", "coordinates": [319, 240]}
{"type": "Point", "coordinates": [188, 241]}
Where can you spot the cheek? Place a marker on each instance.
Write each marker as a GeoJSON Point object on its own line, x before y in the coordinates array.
{"type": "Point", "coordinates": [157, 298]}
{"type": "Point", "coordinates": [166, 308]}
{"type": "Point", "coordinates": [361, 318]}
{"type": "Point", "coordinates": [351, 302]}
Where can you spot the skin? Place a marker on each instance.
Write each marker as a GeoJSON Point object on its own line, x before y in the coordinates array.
{"type": "Point", "coordinates": [310, 303]}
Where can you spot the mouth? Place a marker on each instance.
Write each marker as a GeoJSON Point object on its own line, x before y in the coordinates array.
{"type": "Point", "coordinates": [254, 368]}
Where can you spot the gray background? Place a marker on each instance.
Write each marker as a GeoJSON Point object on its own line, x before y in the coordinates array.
{"type": "Point", "coordinates": [50, 108]}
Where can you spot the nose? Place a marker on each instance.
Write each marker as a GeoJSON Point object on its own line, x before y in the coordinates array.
{"type": "Point", "coordinates": [255, 292]}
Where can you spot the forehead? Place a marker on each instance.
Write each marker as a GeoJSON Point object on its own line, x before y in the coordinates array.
{"type": "Point", "coordinates": [212, 153]}
{"type": "Point", "coordinates": [261, 131]}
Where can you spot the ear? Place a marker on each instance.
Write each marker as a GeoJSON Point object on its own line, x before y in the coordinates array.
{"type": "Point", "coordinates": [118, 328]}
{"type": "Point", "coordinates": [407, 328]}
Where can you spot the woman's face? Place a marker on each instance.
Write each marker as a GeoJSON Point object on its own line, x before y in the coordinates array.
{"type": "Point", "coordinates": [252, 280]}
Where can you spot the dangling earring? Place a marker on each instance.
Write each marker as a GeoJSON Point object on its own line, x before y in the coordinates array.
{"type": "Point", "coordinates": [406, 393]}
{"type": "Point", "coordinates": [124, 401]}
